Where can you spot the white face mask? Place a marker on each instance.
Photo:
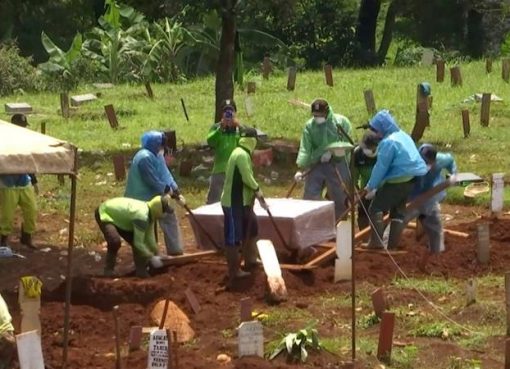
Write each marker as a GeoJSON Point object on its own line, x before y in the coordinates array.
{"type": "Point", "coordinates": [369, 153]}
{"type": "Point", "coordinates": [161, 152]}
{"type": "Point", "coordinates": [429, 167]}
{"type": "Point", "coordinates": [319, 120]}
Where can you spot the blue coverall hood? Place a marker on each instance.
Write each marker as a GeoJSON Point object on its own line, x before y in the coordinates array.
{"type": "Point", "coordinates": [384, 123]}
{"type": "Point", "coordinates": [152, 141]}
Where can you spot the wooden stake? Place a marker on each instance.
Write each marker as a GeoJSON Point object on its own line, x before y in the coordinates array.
{"type": "Point", "coordinates": [175, 347]}
{"type": "Point", "coordinates": [64, 104]}
{"type": "Point", "coordinates": [252, 86]}
{"type": "Point", "coordinates": [291, 80]}
{"type": "Point", "coordinates": [488, 65]}
{"type": "Point", "coordinates": [148, 88]}
{"type": "Point", "coordinates": [328, 72]}
{"type": "Point", "coordinates": [379, 302]}
{"type": "Point", "coordinates": [422, 115]}
{"type": "Point", "coordinates": [192, 300]}
{"type": "Point", "coordinates": [163, 317]}
{"type": "Point", "coordinates": [485, 110]}
{"type": "Point", "coordinates": [171, 140]}
{"type": "Point", "coordinates": [266, 67]}
{"type": "Point", "coordinates": [135, 337]}
{"type": "Point", "coordinates": [507, 353]}
{"type": "Point", "coordinates": [386, 336]}
{"type": "Point", "coordinates": [440, 64]}
{"type": "Point", "coordinates": [118, 364]}
{"type": "Point", "coordinates": [246, 309]}
{"type": "Point", "coordinates": [119, 167]}
{"type": "Point", "coordinates": [169, 335]}
{"type": "Point", "coordinates": [507, 300]}
{"type": "Point", "coordinates": [505, 69]}
{"type": "Point", "coordinates": [112, 117]}
{"type": "Point", "coordinates": [456, 76]}
{"type": "Point", "coordinates": [61, 179]}
{"type": "Point", "coordinates": [184, 109]}
{"type": "Point", "coordinates": [369, 102]}
{"type": "Point", "coordinates": [43, 128]}
{"type": "Point", "coordinates": [470, 292]}
{"type": "Point", "coordinates": [483, 246]}
{"type": "Point", "coordinates": [465, 123]}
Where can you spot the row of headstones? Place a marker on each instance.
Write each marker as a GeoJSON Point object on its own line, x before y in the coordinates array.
{"type": "Point", "coordinates": [456, 76]}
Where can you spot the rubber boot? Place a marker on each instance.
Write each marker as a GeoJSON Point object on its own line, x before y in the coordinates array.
{"type": "Point", "coordinates": [141, 267]}
{"type": "Point", "coordinates": [26, 239]}
{"type": "Point", "coordinates": [4, 240]}
{"type": "Point", "coordinates": [110, 261]}
{"type": "Point", "coordinates": [232, 256]}
{"type": "Point", "coordinates": [396, 228]}
{"type": "Point", "coordinates": [250, 253]}
{"type": "Point", "coordinates": [376, 236]}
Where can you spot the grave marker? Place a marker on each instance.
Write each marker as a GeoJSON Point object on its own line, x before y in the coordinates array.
{"type": "Point", "coordinates": [427, 57]}
{"type": "Point", "coordinates": [485, 110]}
{"type": "Point", "coordinates": [379, 302]}
{"type": "Point", "coordinates": [192, 300]}
{"type": "Point", "coordinates": [465, 123]}
{"type": "Point", "coordinates": [370, 102]}
{"type": "Point", "coordinates": [470, 292]}
{"type": "Point", "coordinates": [422, 115]}
{"type": "Point", "coordinates": [112, 117]}
{"type": "Point", "coordinates": [252, 86]}
{"type": "Point", "coordinates": [22, 108]}
{"type": "Point", "coordinates": [43, 128]}
{"type": "Point", "coordinates": [171, 140]}
{"type": "Point", "coordinates": [135, 337]}
{"type": "Point", "coordinates": [440, 66]}
{"type": "Point", "coordinates": [328, 72]}
{"type": "Point", "coordinates": [507, 353]}
{"type": "Point", "coordinates": [343, 263]}
{"type": "Point", "coordinates": [266, 67]}
{"type": "Point", "coordinates": [119, 167]}
{"type": "Point", "coordinates": [249, 105]}
{"type": "Point", "coordinates": [148, 88]}
{"type": "Point", "coordinates": [505, 69]}
{"type": "Point", "coordinates": [386, 336]}
{"type": "Point", "coordinates": [115, 311]}
{"type": "Point", "coordinates": [159, 352]}
{"type": "Point", "coordinates": [78, 100]}
{"type": "Point", "coordinates": [246, 309]}
{"type": "Point", "coordinates": [251, 339]}
{"type": "Point", "coordinates": [456, 76]}
{"type": "Point", "coordinates": [483, 245]}
{"type": "Point", "coordinates": [277, 288]}
{"type": "Point", "coordinates": [29, 350]}
{"type": "Point", "coordinates": [497, 193]}
{"type": "Point", "coordinates": [291, 80]}
{"type": "Point", "coordinates": [30, 304]}
{"type": "Point", "coordinates": [61, 179]}
{"type": "Point", "coordinates": [184, 109]}
{"type": "Point", "coordinates": [488, 65]}
{"type": "Point", "coordinates": [64, 105]}
{"type": "Point", "coordinates": [507, 302]}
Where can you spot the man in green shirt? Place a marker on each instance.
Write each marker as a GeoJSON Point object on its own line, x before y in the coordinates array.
{"type": "Point", "coordinates": [239, 192]}
{"type": "Point", "coordinates": [133, 220]}
{"type": "Point", "coordinates": [223, 138]}
{"type": "Point", "coordinates": [7, 341]}
{"type": "Point", "coordinates": [323, 129]}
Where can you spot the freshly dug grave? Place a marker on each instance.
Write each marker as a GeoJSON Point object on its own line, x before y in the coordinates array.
{"type": "Point", "coordinates": [92, 332]}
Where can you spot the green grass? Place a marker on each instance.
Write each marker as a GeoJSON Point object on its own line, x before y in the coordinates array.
{"type": "Point", "coordinates": [429, 285]}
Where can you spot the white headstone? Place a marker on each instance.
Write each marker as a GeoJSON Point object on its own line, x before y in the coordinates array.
{"type": "Point", "coordinates": [343, 265]}
{"type": "Point", "coordinates": [250, 105]}
{"type": "Point", "coordinates": [13, 108]}
{"type": "Point", "coordinates": [29, 350]}
{"type": "Point", "coordinates": [251, 339]}
{"type": "Point", "coordinates": [158, 350]}
{"type": "Point", "coordinates": [427, 58]}
{"type": "Point", "coordinates": [498, 185]}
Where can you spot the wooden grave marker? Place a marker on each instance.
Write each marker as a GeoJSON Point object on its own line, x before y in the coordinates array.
{"type": "Point", "coordinates": [470, 291]}
{"type": "Point", "coordinates": [276, 284]}
{"type": "Point", "coordinates": [148, 88]}
{"type": "Point", "coordinates": [266, 67]}
{"type": "Point", "coordinates": [119, 167]}
{"type": "Point", "coordinates": [465, 123]}
{"type": "Point", "coordinates": [251, 339]}
{"type": "Point", "coordinates": [192, 300]}
{"type": "Point", "coordinates": [507, 353]}
{"type": "Point", "coordinates": [370, 101]}
{"type": "Point", "coordinates": [29, 348]}
{"type": "Point", "coordinates": [43, 128]}
{"type": "Point", "coordinates": [507, 302]}
{"type": "Point", "coordinates": [488, 65]}
{"type": "Point", "coordinates": [252, 87]}
{"type": "Point", "coordinates": [483, 244]}
{"type": "Point", "coordinates": [379, 302]}
{"type": "Point", "coordinates": [440, 67]}
{"type": "Point", "coordinates": [15, 108]}
{"type": "Point", "coordinates": [112, 116]}
{"type": "Point", "coordinates": [328, 72]}
{"type": "Point", "coordinates": [456, 76]}
{"type": "Point", "coordinates": [497, 193]}
{"type": "Point", "coordinates": [171, 140]}
{"type": "Point", "coordinates": [246, 309]}
{"type": "Point", "coordinates": [115, 312]}
{"type": "Point", "coordinates": [184, 109]}
{"type": "Point", "coordinates": [291, 79]}
{"type": "Point", "coordinates": [78, 100]}
{"type": "Point", "coordinates": [30, 306]}
{"type": "Point", "coordinates": [422, 115]}
{"type": "Point", "coordinates": [135, 337]}
{"type": "Point", "coordinates": [485, 109]}
{"type": "Point", "coordinates": [386, 336]}
{"type": "Point", "coordinates": [64, 105]}
{"type": "Point", "coordinates": [505, 69]}
{"type": "Point", "coordinates": [159, 350]}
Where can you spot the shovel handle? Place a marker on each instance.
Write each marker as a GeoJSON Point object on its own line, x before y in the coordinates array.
{"type": "Point", "coordinates": [280, 235]}
{"type": "Point", "coordinates": [305, 174]}
{"type": "Point", "coordinates": [209, 237]}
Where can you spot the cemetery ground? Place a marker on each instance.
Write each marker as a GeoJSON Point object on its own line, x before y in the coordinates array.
{"type": "Point", "coordinates": [423, 337]}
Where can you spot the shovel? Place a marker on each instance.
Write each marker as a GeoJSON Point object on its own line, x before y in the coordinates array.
{"type": "Point", "coordinates": [277, 229]}
{"type": "Point", "coordinates": [209, 237]}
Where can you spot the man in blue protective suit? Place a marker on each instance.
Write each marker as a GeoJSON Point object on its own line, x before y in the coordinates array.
{"type": "Point", "coordinates": [398, 163]}
{"type": "Point", "coordinates": [429, 214]}
{"type": "Point", "coordinates": [148, 177]}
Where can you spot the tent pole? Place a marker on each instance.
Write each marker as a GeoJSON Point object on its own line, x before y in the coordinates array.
{"type": "Point", "coordinates": [70, 245]}
{"type": "Point", "coordinates": [353, 269]}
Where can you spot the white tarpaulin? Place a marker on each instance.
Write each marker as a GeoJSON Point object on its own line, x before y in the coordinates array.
{"type": "Point", "coordinates": [25, 151]}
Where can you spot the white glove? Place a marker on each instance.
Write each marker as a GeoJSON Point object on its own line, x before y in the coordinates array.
{"type": "Point", "coordinates": [181, 201]}
{"type": "Point", "coordinates": [326, 157]}
{"type": "Point", "coordinates": [259, 194]}
{"type": "Point", "coordinates": [156, 262]}
{"type": "Point", "coordinates": [298, 177]}
{"type": "Point", "coordinates": [370, 193]}
{"type": "Point", "coordinates": [263, 203]}
{"type": "Point", "coordinates": [452, 180]}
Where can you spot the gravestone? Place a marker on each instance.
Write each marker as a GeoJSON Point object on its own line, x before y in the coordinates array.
{"type": "Point", "coordinates": [440, 66]}
{"type": "Point", "coordinates": [112, 116]}
{"type": "Point", "coordinates": [485, 109]}
{"type": "Point", "coordinates": [29, 350]}
{"type": "Point", "coordinates": [251, 339]}
{"type": "Point", "coordinates": [343, 263]}
{"type": "Point", "coordinates": [246, 309]}
{"type": "Point", "coordinates": [135, 337]}
{"type": "Point", "coordinates": [158, 350]}
{"type": "Point", "coordinates": [192, 300]}
{"type": "Point", "coordinates": [13, 108]}
{"type": "Point", "coordinates": [497, 193]}
{"type": "Point", "coordinates": [427, 57]}
{"type": "Point", "coordinates": [483, 245]}
{"type": "Point", "coordinates": [465, 123]}
{"type": "Point", "coordinates": [78, 100]}
{"type": "Point", "coordinates": [328, 72]}
{"type": "Point", "coordinates": [249, 105]}
{"type": "Point", "coordinates": [370, 101]}
{"type": "Point", "coordinates": [291, 80]}
{"type": "Point", "coordinates": [266, 67]}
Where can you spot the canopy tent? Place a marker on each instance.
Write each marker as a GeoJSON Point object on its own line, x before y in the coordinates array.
{"type": "Point", "coordinates": [26, 151]}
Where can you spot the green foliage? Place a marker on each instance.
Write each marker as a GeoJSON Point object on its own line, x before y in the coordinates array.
{"type": "Point", "coordinates": [62, 64]}
{"type": "Point", "coordinates": [432, 285]}
{"type": "Point", "coordinates": [460, 363]}
{"type": "Point", "coordinates": [296, 345]}
{"type": "Point", "coordinates": [16, 72]}
{"type": "Point", "coordinates": [436, 329]}
{"type": "Point", "coordinates": [367, 321]}
{"type": "Point", "coordinates": [403, 358]}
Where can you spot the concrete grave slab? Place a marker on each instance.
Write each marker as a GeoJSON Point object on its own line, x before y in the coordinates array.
{"type": "Point", "coordinates": [13, 108]}
{"type": "Point", "coordinates": [251, 339]}
{"type": "Point", "coordinates": [78, 100]}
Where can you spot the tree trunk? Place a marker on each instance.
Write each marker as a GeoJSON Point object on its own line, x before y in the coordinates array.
{"type": "Point", "coordinates": [366, 29]}
{"type": "Point", "coordinates": [389, 24]}
{"type": "Point", "coordinates": [224, 70]}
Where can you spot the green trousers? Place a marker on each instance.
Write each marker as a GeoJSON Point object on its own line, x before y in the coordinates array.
{"type": "Point", "coordinates": [10, 198]}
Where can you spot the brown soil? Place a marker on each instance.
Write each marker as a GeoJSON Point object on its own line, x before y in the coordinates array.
{"type": "Point", "coordinates": [92, 341]}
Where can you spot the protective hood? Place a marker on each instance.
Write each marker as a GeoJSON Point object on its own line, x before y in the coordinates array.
{"type": "Point", "coordinates": [152, 141]}
{"type": "Point", "coordinates": [248, 143]}
{"type": "Point", "coordinates": [384, 123]}
{"type": "Point", "coordinates": [155, 207]}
